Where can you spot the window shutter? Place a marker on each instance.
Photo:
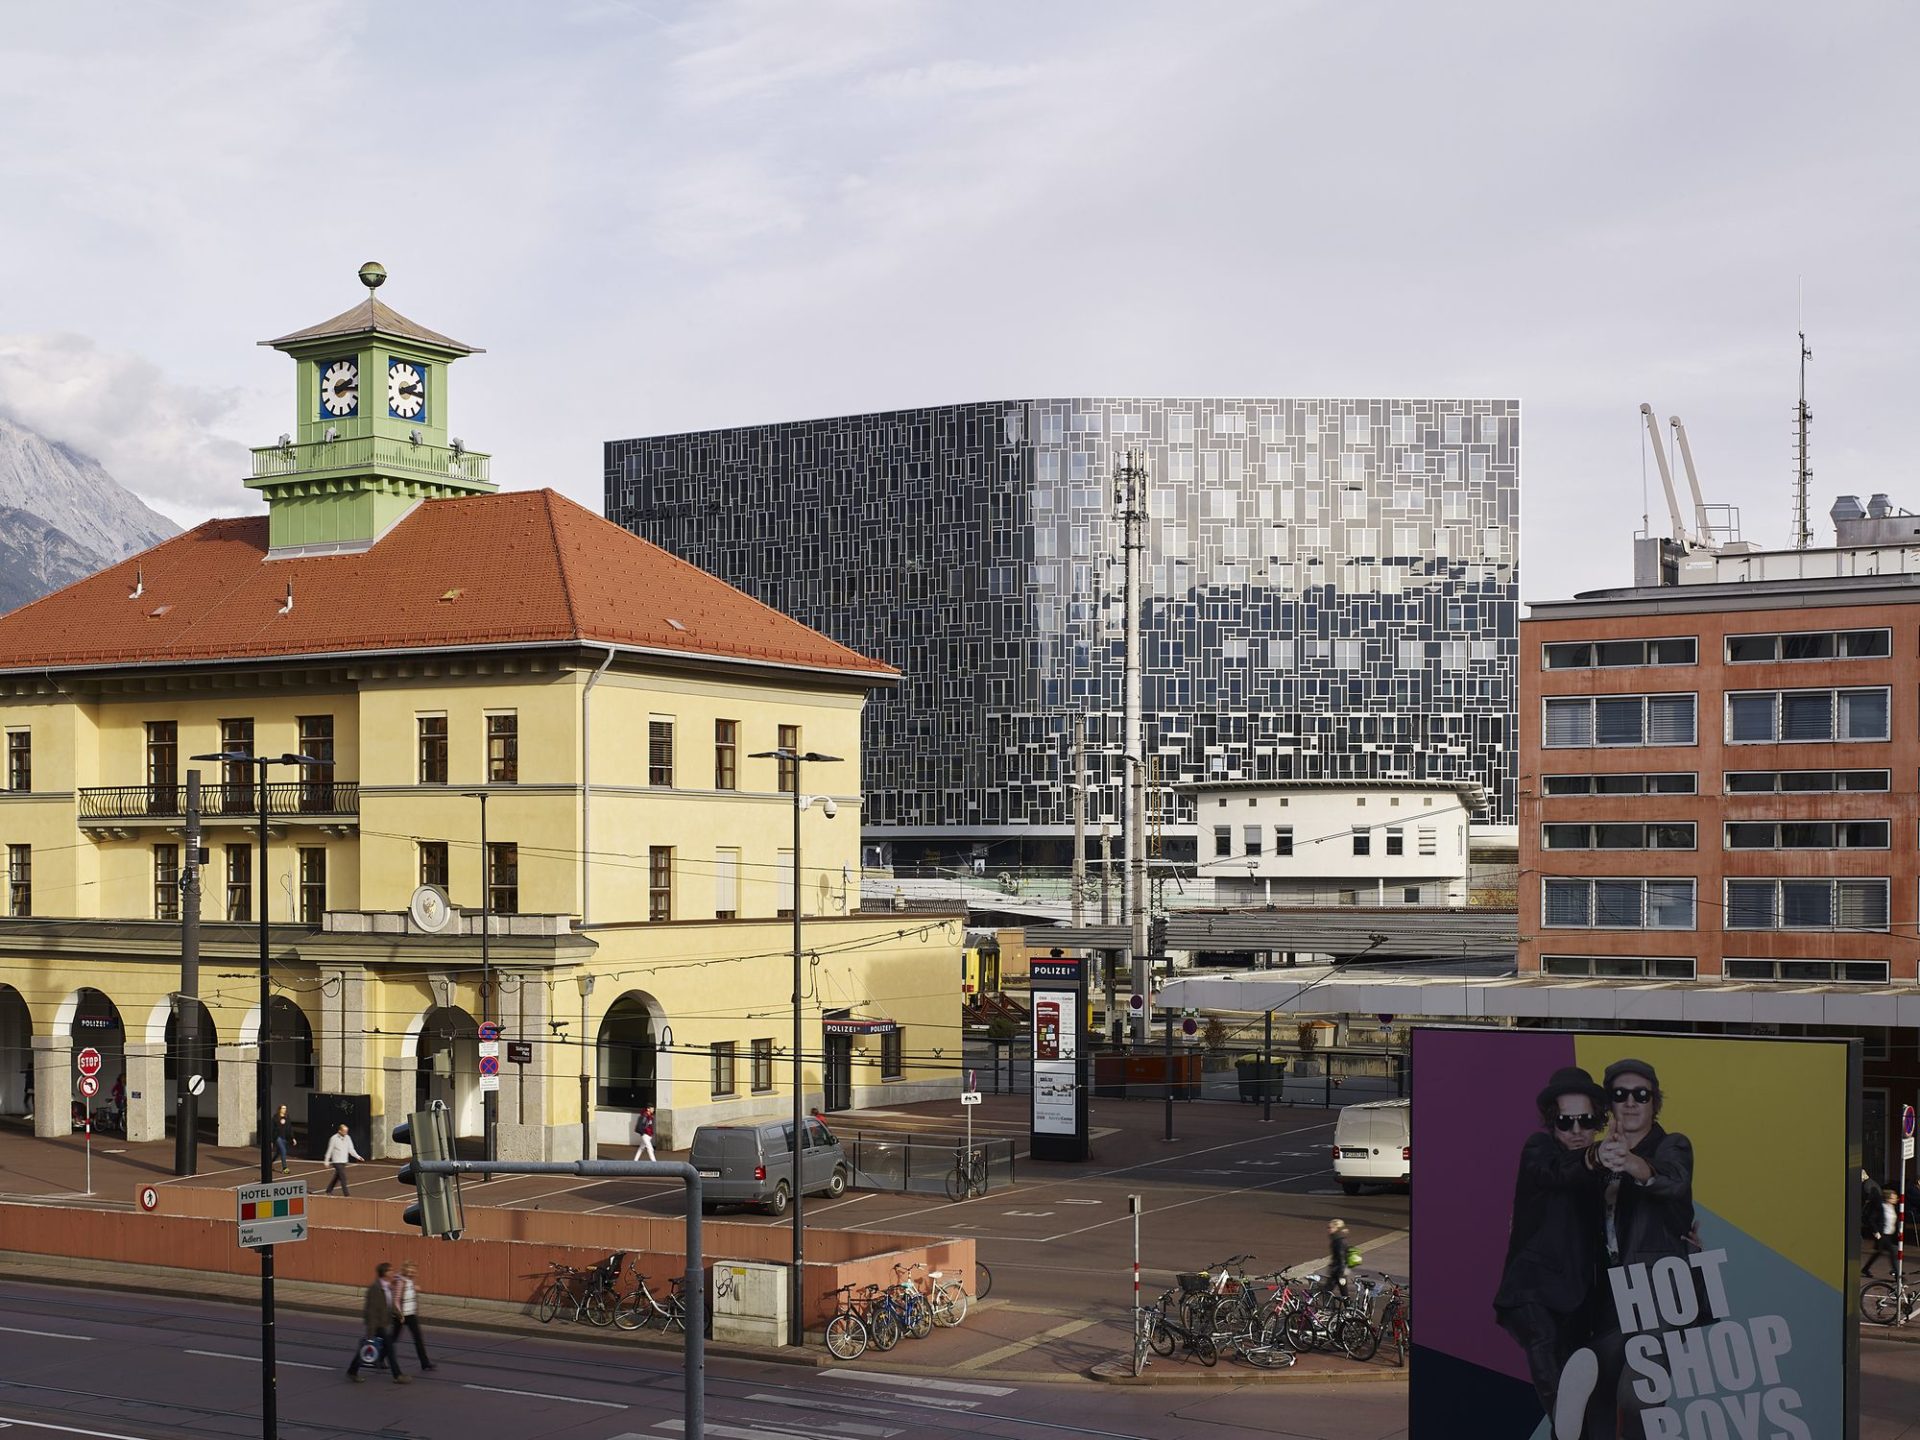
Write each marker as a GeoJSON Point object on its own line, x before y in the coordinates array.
{"type": "Point", "coordinates": [1750, 905]}
{"type": "Point", "coordinates": [1670, 720]}
{"type": "Point", "coordinates": [1567, 903]}
{"type": "Point", "coordinates": [1806, 716]}
{"type": "Point", "coordinates": [1863, 714]}
{"type": "Point", "coordinates": [1569, 723]}
{"type": "Point", "coordinates": [1861, 904]}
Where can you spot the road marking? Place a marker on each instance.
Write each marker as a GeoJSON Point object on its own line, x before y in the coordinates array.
{"type": "Point", "coordinates": [848, 1427]}
{"type": "Point", "coordinates": [543, 1195]}
{"type": "Point", "coordinates": [918, 1382]}
{"type": "Point", "coordinates": [733, 1432]}
{"type": "Point", "coordinates": [255, 1359]}
{"type": "Point", "coordinates": [543, 1395]}
{"type": "Point", "coordinates": [1080, 1202]}
{"type": "Point", "coordinates": [205, 1173]}
{"type": "Point", "coordinates": [50, 1334]}
{"type": "Point", "coordinates": [9, 1422]}
{"type": "Point", "coordinates": [1026, 1214]}
{"type": "Point", "coordinates": [1020, 1347]}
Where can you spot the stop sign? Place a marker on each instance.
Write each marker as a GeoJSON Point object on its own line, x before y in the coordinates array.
{"type": "Point", "coordinates": [89, 1062]}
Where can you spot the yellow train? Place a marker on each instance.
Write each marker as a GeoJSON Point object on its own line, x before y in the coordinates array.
{"type": "Point", "coordinates": [979, 970]}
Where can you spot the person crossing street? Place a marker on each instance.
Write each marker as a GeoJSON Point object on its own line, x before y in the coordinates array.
{"type": "Point", "coordinates": [339, 1151]}
{"type": "Point", "coordinates": [645, 1152]}
{"type": "Point", "coordinates": [377, 1315]}
{"type": "Point", "coordinates": [406, 1313]}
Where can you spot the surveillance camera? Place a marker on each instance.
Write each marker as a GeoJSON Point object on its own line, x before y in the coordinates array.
{"type": "Point", "coordinates": [831, 808]}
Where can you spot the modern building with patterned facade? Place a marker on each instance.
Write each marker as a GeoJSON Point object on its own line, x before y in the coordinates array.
{"type": "Point", "coordinates": [1330, 592]}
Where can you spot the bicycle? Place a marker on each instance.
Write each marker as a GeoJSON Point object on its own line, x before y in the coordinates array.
{"type": "Point", "coordinates": [1166, 1333]}
{"type": "Point", "coordinates": [564, 1288]}
{"type": "Point", "coordinates": [1882, 1302]}
{"type": "Point", "coordinates": [640, 1305]}
{"type": "Point", "coordinates": [602, 1298]}
{"type": "Point", "coordinates": [968, 1177]}
{"type": "Point", "coordinates": [1330, 1319]}
{"type": "Point", "coordinates": [942, 1303]}
{"type": "Point", "coordinates": [1266, 1347]}
{"type": "Point", "coordinates": [846, 1331]}
{"type": "Point", "coordinates": [886, 1319]}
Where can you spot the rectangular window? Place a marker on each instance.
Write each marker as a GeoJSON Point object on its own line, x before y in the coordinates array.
{"type": "Point", "coordinates": [893, 1051]}
{"type": "Point", "coordinates": [1672, 835]}
{"type": "Point", "coordinates": [1615, 654]}
{"type": "Point", "coordinates": [1810, 645]}
{"type": "Point", "coordinates": [1619, 967]}
{"type": "Point", "coordinates": [1804, 782]}
{"type": "Point", "coordinates": [1807, 904]}
{"type": "Point", "coordinates": [1396, 840]}
{"type": "Point", "coordinates": [1362, 840]}
{"type": "Point", "coordinates": [19, 879]}
{"type": "Point", "coordinates": [726, 884]}
{"type": "Point", "coordinates": [163, 767]}
{"type": "Point", "coordinates": [1793, 717]}
{"type": "Point", "coordinates": [762, 1066]}
{"type": "Point", "coordinates": [20, 760]}
{"type": "Point", "coordinates": [166, 882]}
{"type": "Point", "coordinates": [313, 884]}
{"type": "Point", "coordinates": [1619, 720]}
{"type": "Point", "coordinates": [789, 769]}
{"type": "Point", "coordinates": [660, 753]}
{"type": "Point", "coordinates": [237, 777]}
{"type": "Point", "coordinates": [726, 754]}
{"type": "Point", "coordinates": [503, 748]}
{"type": "Point", "coordinates": [433, 749]}
{"type": "Point", "coordinates": [239, 882]}
{"type": "Point", "coordinates": [1250, 838]}
{"type": "Point", "coordinates": [1800, 972]}
{"type": "Point", "coordinates": [660, 882]}
{"type": "Point", "coordinates": [316, 776]}
{"type": "Point", "coordinates": [723, 1082]}
{"type": "Point", "coordinates": [1807, 834]}
{"type": "Point", "coordinates": [1222, 841]}
{"type": "Point", "coordinates": [1657, 784]}
{"type": "Point", "coordinates": [503, 877]}
{"type": "Point", "coordinates": [1618, 904]}
{"type": "Point", "coordinates": [1283, 840]}
{"type": "Point", "coordinates": [433, 864]}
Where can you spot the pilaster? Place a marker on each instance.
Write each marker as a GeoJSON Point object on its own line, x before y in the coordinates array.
{"type": "Point", "coordinates": [52, 1086]}
{"type": "Point", "coordinates": [147, 1098]}
{"type": "Point", "coordinates": [239, 1094]}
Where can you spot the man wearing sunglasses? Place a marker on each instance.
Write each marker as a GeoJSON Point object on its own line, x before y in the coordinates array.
{"type": "Point", "coordinates": [1647, 1209]}
{"type": "Point", "coordinates": [1553, 1248]}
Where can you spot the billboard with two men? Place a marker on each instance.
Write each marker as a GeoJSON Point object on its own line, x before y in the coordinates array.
{"type": "Point", "coordinates": [1621, 1235]}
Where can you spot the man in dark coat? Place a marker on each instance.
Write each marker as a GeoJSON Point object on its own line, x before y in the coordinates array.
{"type": "Point", "coordinates": [1553, 1247]}
{"type": "Point", "coordinates": [377, 1314]}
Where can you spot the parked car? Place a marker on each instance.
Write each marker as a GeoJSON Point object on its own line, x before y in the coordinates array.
{"type": "Point", "coordinates": [1374, 1142]}
{"type": "Point", "coordinates": [752, 1164]}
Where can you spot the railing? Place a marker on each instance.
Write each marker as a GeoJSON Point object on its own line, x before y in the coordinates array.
{"type": "Point", "coordinates": [311, 798]}
{"type": "Point", "coordinates": [361, 452]}
{"type": "Point", "coordinates": [920, 1164]}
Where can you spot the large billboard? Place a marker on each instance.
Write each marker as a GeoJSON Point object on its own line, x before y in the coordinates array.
{"type": "Point", "coordinates": [1618, 1236]}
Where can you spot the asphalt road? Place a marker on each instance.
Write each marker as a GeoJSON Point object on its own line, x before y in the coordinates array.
{"type": "Point", "coordinates": [95, 1363]}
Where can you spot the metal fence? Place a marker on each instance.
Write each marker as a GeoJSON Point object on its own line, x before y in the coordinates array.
{"type": "Point", "coordinates": [1325, 1076]}
{"type": "Point", "coordinates": [921, 1164]}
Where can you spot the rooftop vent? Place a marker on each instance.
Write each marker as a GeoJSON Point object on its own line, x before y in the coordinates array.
{"type": "Point", "coordinates": [1847, 507]}
{"type": "Point", "coordinates": [1879, 507]}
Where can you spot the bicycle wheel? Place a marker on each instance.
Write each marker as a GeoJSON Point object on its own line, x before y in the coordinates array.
{"type": "Point", "coordinates": [978, 1180]}
{"type": "Point", "coordinates": [1303, 1331]}
{"type": "Point", "coordinates": [546, 1304]}
{"type": "Point", "coordinates": [632, 1311]}
{"type": "Point", "coordinates": [1159, 1336]}
{"type": "Point", "coordinates": [919, 1315]}
{"type": "Point", "coordinates": [1205, 1351]}
{"type": "Point", "coordinates": [1266, 1357]}
{"type": "Point", "coordinates": [1878, 1303]}
{"type": "Point", "coordinates": [883, 1330]}
{"type": "Point", "coordinates": [846, 1337]}
{"type": "Point", "coordinates": [949, 1305]}
{"type": "Point", "coordinates": [957, 1184]}
{"type": "Point", "coordinates": [1358, 1338]}
{"type": "Point", "coordinates": [599, 1308]}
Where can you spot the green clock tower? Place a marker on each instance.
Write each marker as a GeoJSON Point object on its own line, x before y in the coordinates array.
{"type": "Point", "coordinates": [370, 440]}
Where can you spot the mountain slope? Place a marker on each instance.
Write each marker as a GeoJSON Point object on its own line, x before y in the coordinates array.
{"type": "Point", "coordinates": [36, 557]}
{"type": "Point", "coordinates": [74, 495]}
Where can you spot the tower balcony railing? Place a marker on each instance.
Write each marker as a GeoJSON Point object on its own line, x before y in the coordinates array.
{"type": "Point", "coordinates": [369, 452]}
{"type": "Point", "coordinates": [315, 801]}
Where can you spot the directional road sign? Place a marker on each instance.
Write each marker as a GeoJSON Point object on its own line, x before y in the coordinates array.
{"type": "Point", "coordinates": [88, 1061]}
{"type": "Point", "coordinates": [271, 1214]}
{"type": "Point", "coordinates": [969, 1097]}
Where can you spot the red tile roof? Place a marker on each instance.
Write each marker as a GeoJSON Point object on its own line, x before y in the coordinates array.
{"type": "Point", "coordinates": [492, 571]}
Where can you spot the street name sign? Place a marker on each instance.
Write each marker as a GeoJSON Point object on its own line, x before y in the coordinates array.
{"type": "Point", "coordinates": [272, 1213]}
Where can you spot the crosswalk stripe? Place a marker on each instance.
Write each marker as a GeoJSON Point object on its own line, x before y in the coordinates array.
{"type": "Point", "coordinates": [918, 1382]}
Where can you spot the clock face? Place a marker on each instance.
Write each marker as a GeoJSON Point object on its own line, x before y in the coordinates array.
{"type": "Point", "coordinates": [340, 388]}
{"type": "Point", "coordinates": [406, 390]}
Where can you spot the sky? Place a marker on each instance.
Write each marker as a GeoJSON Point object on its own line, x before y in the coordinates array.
{"type": "Point", "coordinates": [659, 217]}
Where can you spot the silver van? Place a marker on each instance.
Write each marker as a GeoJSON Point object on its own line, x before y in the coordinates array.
{"type": "Point", "coordinates": [753, 1164]}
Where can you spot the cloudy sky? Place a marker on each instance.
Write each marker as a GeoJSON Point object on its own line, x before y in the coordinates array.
{"type": "Point", "coordinates": [662, 217]}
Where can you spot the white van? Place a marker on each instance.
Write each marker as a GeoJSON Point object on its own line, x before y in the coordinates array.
{"type": "Point", "coordinates": [1374, 1142]}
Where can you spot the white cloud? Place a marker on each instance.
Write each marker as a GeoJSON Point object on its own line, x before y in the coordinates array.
{"type": "Point", "coordinates": [156, 436]}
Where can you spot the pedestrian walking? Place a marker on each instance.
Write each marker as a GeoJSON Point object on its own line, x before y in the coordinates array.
{"type": "Point", "coordinates": [282, 1137]}
{"type": "Point", "coordinates": [1887, 1230]}
{"type": "Point", "coordinates": [406, 1312]}
{"type": "Point", "coordinates": [339, 1151]}
{"type": "Point", "coordinates": [645, 1152]}
{"type": "Point", "coordinates": [376, 1313]}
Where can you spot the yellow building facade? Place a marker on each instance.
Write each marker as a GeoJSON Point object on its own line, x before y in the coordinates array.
{"type": "Point", "coordinates": [528, 781]}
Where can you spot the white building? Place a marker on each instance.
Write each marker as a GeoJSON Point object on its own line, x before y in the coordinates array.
{"type": "Point", "coordinates": [1331, 842]}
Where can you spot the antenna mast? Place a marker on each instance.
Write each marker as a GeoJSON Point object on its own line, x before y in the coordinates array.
{"type": "Point", "coordinates": [1802, 475]}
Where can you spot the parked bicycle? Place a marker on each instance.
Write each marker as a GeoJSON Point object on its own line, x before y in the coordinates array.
{"type": "Point", "coordinates": [563, 1292]}
{"type": "Point", "coordinates": [640, 1306]}
{"type": "Point", "coordinates": [1887, 1302]}
{"type": "Point", "coordinates": [968, 1177]}
{"type": "Point", "coordinates": [1168, 1330]}
{"type": "Point", "coordinates": [945, 1300]}
{"type": "Point", "coordinates": [846, 1330]}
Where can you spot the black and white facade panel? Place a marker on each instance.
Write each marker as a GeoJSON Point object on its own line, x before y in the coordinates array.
{"type": "Point", "coordinates": [1331, 593]}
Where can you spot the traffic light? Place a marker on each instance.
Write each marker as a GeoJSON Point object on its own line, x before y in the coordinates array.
{"type": "Point", "coordinates": [438, 1210]}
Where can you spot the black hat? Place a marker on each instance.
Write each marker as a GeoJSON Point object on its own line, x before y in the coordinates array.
{"type": "Point", "coordinates": [1570, 1080]}
{"type": "Point", "coordinates": [1630, 1067]}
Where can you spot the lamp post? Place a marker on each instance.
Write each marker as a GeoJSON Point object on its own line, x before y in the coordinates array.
{"type": "Point", "coordinates": [796, 1318]}
{"type": "Point", "coordinates": [587, 1152]}
{"type": "Point", "coordinates": [263, 1083]}
{"type": "Point", "coordinates": [490, 1099]}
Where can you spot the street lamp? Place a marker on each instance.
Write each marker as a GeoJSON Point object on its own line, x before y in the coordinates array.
{"type": "Point", "coordinates": [489, 1099]}
{"type": "Point", "coordinates": [587, 1152]}
{"type": "Point", "coordinates": [796, 1319]}
{"type": "Point", "coordinates": [263, 1082]}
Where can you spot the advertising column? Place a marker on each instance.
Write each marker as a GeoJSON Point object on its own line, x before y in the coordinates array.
{"type": "Point", "coordinates": [1059, 1060]}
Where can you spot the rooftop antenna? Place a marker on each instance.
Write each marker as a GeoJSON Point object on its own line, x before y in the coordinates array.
{"type": "Point", "coordinates": [1803, 419]}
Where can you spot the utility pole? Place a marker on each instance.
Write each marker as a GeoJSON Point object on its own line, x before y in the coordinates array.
{"type": "Point", "coordinates": [1130, 495]}
{"type": "Point", "coordinates": [1080, 824]}
{"type": "Point", "coordinates": [186, 1020]}
{"type": "Point", "coordinates": [1106, 872]}
{"type": "Point", "coordinates": [1803, 476]}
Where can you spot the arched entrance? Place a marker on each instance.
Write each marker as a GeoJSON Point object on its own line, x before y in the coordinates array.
{"type": "Point", "coordinates": [447, 1067]}
{"type": "Point", "coordinates": [16, 1053]}
{"type": "Point", "coordinates": [96, 1024]}
{"type": "Point", "coordinates": [631, 1063]}
{"type": "Point", "coordinates": [289, 1056]}
{"type": "Point", "coordinates": [199, 1061]}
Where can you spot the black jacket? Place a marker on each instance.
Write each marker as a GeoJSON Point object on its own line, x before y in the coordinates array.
{"type": "Point", "coordinates": [1654, 1220]}
{"type": "Point", "coordinates": [1553, 1250]}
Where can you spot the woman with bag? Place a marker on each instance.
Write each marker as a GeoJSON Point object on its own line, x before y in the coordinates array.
{"type": "Point", "coordinates": [376, 1314]}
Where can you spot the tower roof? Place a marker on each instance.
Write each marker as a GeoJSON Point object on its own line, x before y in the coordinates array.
{"type": "Point", "coordinates": [371, 316]}
{"type": "Point", "coordinates": [522, 568]}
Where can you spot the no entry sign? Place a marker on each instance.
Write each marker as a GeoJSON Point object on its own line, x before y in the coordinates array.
{"type": "Point", "coordinates": [89, 1062]}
